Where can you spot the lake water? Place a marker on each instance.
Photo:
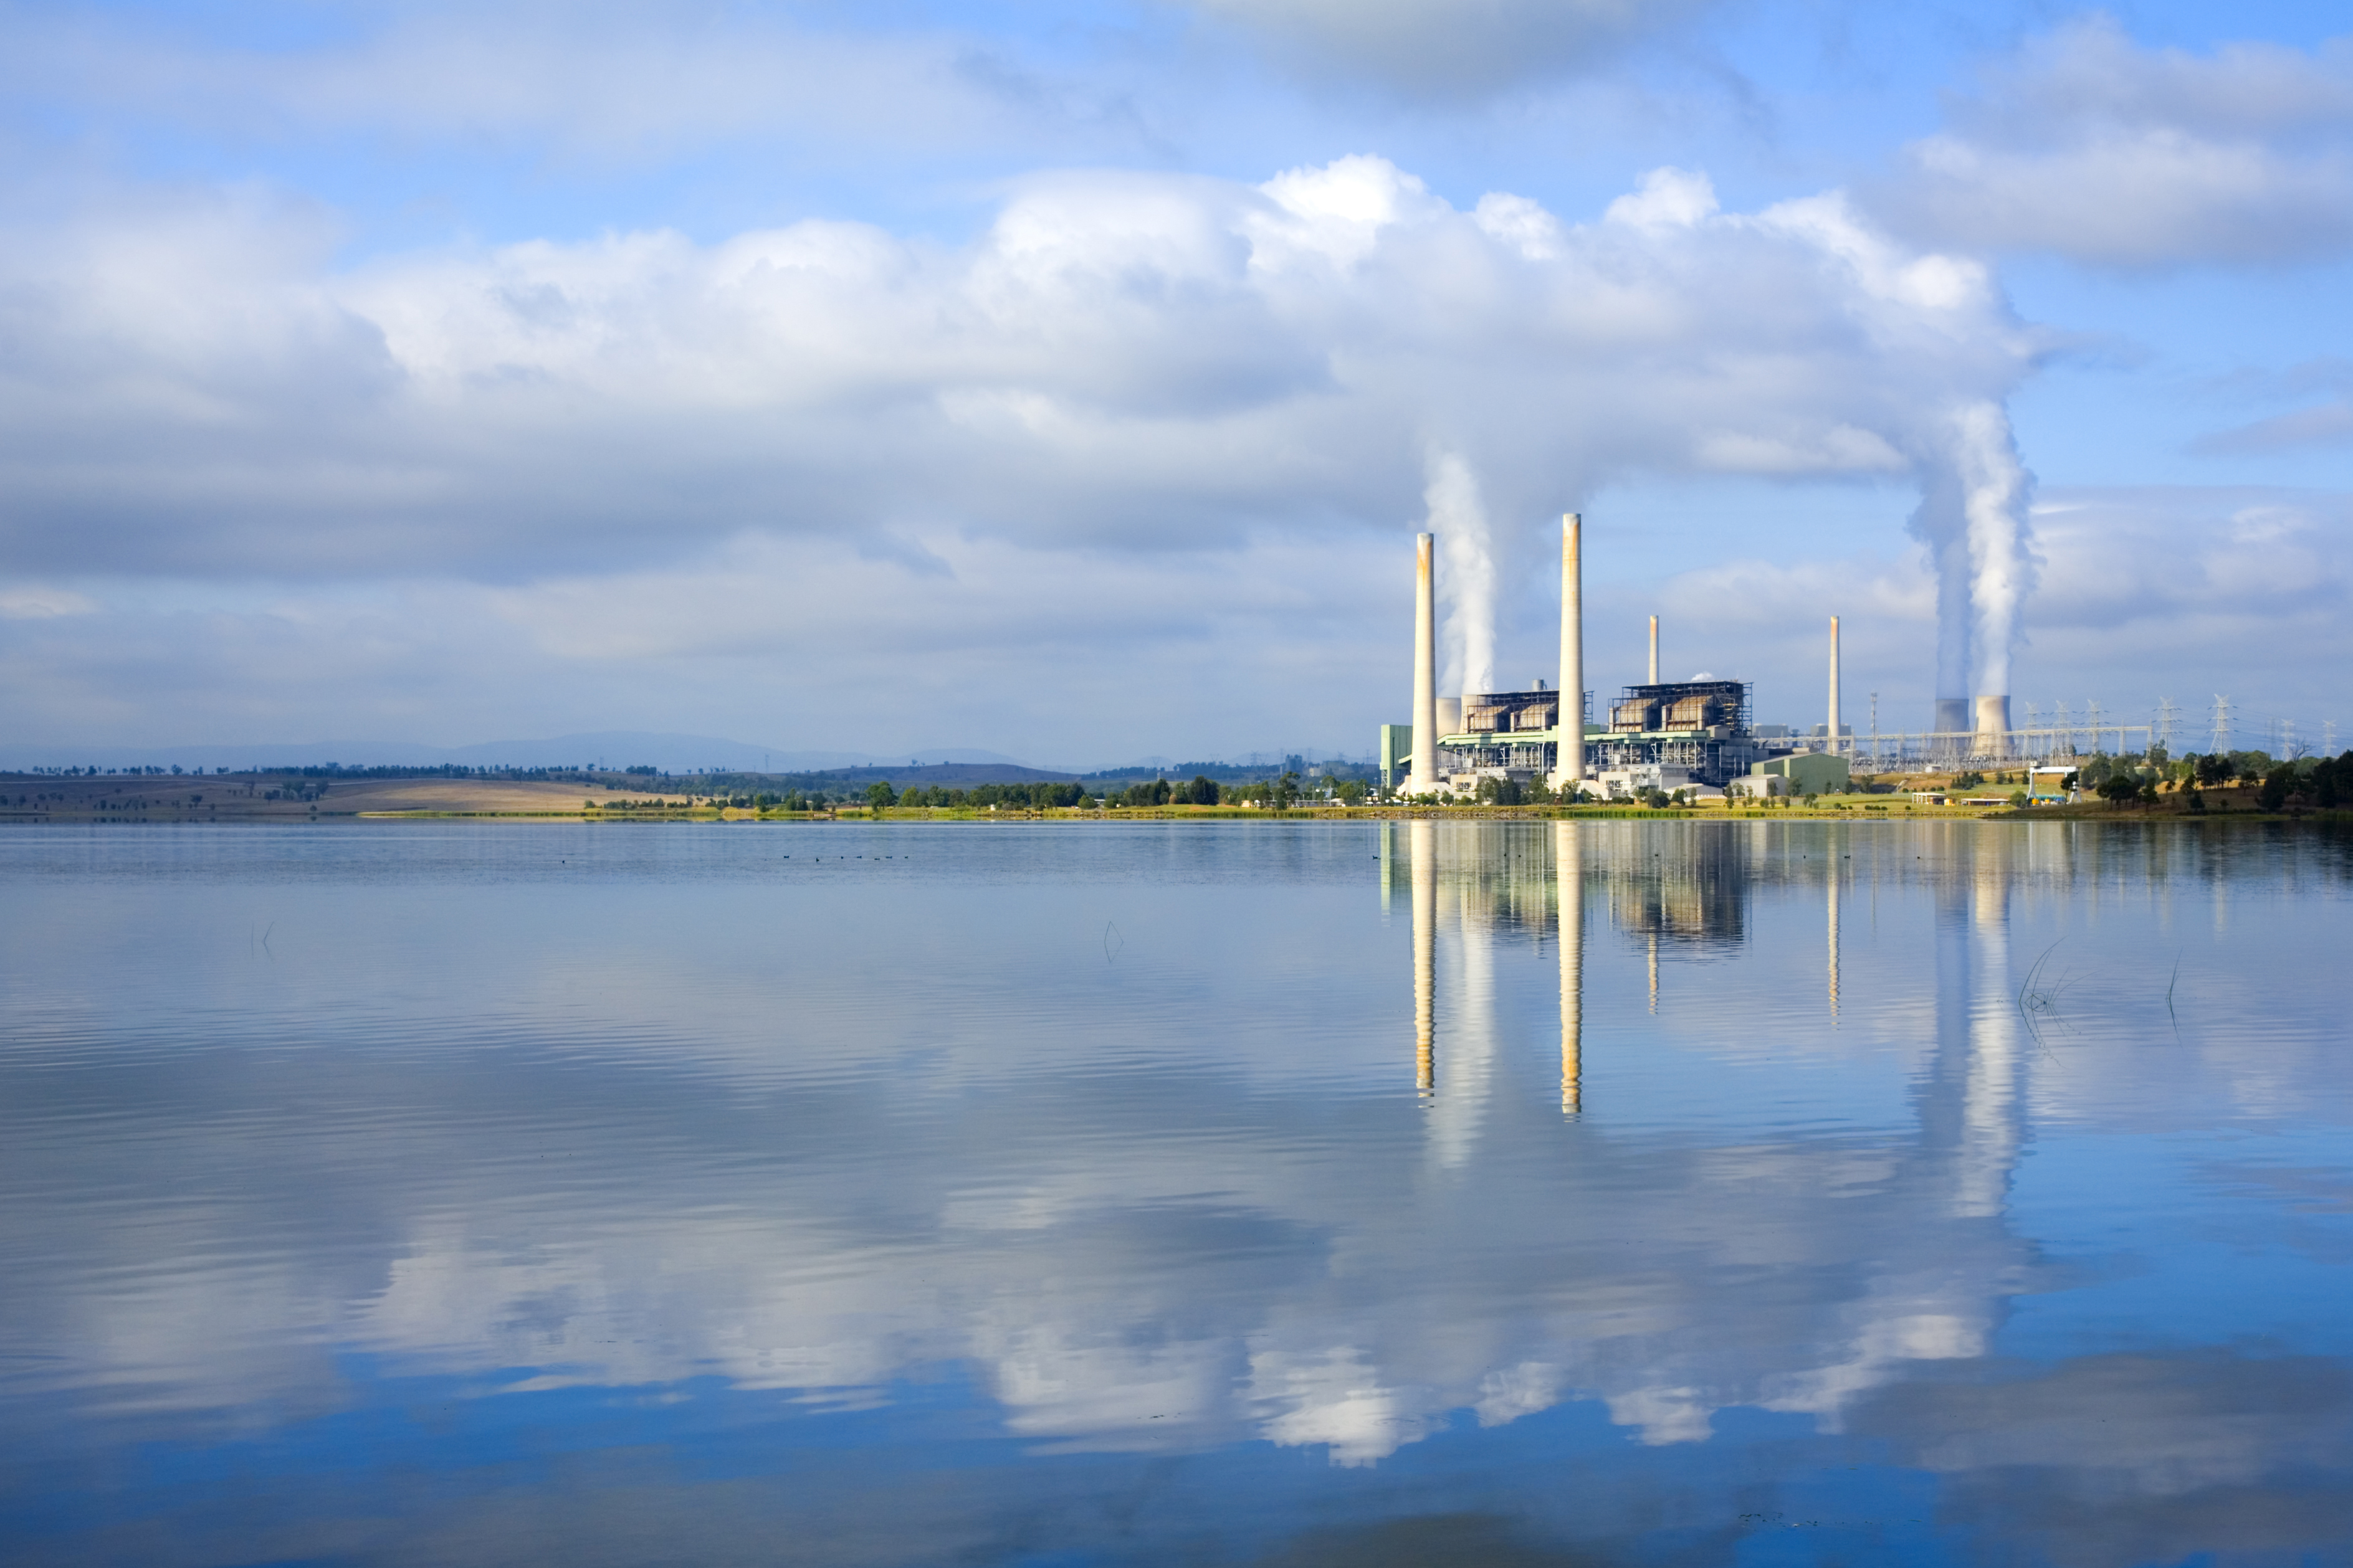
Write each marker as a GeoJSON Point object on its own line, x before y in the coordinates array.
{"type": "Point", "coordinates": [1296, 1194]}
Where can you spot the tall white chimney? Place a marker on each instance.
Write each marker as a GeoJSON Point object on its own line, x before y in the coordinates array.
{"type": "Point", "coordinates": [1655, 650]}
{"type": "Point", "coordinates": [1570, 767]}
{"type": "Point", "coordinates": [1834, 745]}
{"type": "Point", "coordinates": [1423, 780]}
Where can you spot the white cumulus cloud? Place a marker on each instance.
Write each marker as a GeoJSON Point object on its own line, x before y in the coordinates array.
{"type": "Point", "coordinates": [1119, 366]}
{"type": "Point", "coordinates": [1118, 360]}
{"type": "Point", "coordinates": [2090, 146]}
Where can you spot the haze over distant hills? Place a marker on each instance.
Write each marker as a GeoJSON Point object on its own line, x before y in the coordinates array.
{"type": "Point", "coordinates": [603, 747]}
{"type": "Point", "coordinates": [613, 748]}
{"type": "Point", "coordinates": [608, 748]}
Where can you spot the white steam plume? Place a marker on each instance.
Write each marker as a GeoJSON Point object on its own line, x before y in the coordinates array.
{"type": "Point", "coordinates": [1995, 487]}
{"type": "Point", "coordinates": [1466, 578]}
{"type": "Point", "coordinates": [1973, 517]}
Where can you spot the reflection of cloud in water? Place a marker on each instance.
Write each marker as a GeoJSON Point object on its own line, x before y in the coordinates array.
{"type": "Point", "coordinates": [1115, 1312]}
{"type": "Point", "coordinates": [1135, 1253]}
{"type": "Point", "coordinates": [1334, 1399]}
{"type": "Point", "coordinates": [1118, 1295]}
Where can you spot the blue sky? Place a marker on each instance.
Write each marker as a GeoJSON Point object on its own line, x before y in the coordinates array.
{"type": "Point", "coordinates": [1068, 380]}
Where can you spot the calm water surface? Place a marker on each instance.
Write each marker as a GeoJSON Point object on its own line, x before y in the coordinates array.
{"type": "Point", "coordinates": [1308, 1194]}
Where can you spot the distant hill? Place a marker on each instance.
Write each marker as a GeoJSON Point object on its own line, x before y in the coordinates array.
{"type": "Point", "coordinates": [955, 775]}
{"type": "Point", "coordinates": [617, 749]}
{"type": "Point", "coordinates": [611, 748]}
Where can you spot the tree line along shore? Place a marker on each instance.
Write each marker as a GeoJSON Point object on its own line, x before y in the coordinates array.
{"type": "Point", "coordinates": [2245, 783]}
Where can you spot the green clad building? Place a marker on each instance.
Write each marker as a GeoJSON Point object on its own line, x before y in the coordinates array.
{"type": "Point", "coordinates": [1800, 772]}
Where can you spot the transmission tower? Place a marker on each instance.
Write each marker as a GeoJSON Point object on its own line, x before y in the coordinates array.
{"type": "Point", "coordinates": [2328, 737]}
{"type": "Point", "coordinates": [2061, 724]}
{"type": "Point", "coordinates": [2221, 724]}
{"type": "Point", "coordinates": [2092, 723]}
{"type": "Point", "coordinates": [2166, 715]}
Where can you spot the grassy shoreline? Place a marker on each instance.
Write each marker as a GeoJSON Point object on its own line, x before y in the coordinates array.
{"type": "Point", "coordinates": [2080, 813]}
{"type": "Point", "coordinates": [118, 799]}
{"type": "Point", "coordinates": [1210, 814]}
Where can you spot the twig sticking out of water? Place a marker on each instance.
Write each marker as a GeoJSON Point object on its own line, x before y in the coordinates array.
{"type": "Point", "coordinates": [2038, 1001]}
{"type": "Point", "coordinates": [2169, 996]}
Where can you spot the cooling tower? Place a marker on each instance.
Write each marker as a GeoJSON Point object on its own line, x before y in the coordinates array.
{"type": "Point", "coordinates": [1992, 727]}
{"type": "Point", "coordinates": [1953, 721]}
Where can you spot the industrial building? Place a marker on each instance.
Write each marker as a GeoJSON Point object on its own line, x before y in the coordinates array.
{"type": "Point", "coordinates": [1699, 733]}
{"type": "Point", "coordinates": [1678, 733]}
{"type": "Point", "coordinates": [1688, 732]}
{"type": "Point", "coordinates": [1702, 730]}
{"type": "Point", "coordinates": [1798, 772]}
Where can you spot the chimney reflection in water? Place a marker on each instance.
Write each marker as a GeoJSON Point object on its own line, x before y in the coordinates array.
{"type": "Point", "coordinates": [1472, 904]}
{"type": "Point", "coordinates": [1473, 917]}
{"type": "Point", "coordinates": [1834, 939]}
{"type": "Point", "coordinates": [1569, 880]}
{"type": "Point", "coordinates": [1421, 843]}
{"type": "Point", "coordinates": [1972, 1098]}
{"type": "Point", "coordinates": [1700, 898]}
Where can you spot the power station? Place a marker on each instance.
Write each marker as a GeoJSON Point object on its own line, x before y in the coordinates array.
{"type": "Point", "coordinates": [1661, 734]}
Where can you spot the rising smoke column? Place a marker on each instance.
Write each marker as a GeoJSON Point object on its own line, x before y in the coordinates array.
{"type": "Point", "coordinates": [1973, 518]}
{"type": "Point", "coordinates": [1995, 492]}
{"type": "Point", "coordinates": [1467, 580]}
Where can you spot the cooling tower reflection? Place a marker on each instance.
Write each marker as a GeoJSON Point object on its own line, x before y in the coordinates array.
{"type": "Point", "coordinates": [1936, 1275]}
{"type": "Point", "coordinates": [1479, 886]}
